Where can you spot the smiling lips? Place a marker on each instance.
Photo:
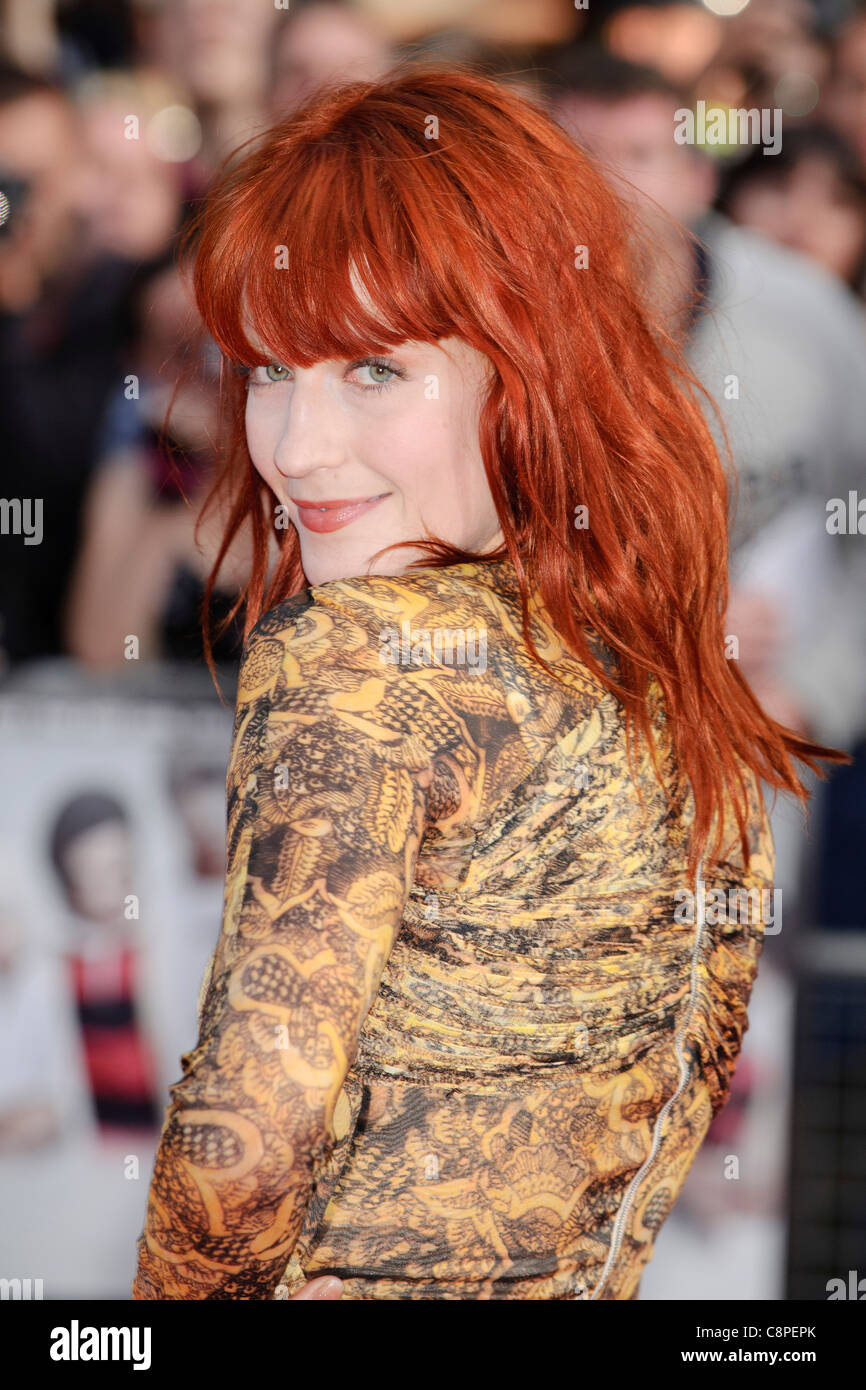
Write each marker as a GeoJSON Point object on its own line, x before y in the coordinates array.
{"type": "Point", "coordinates": [338, 512]}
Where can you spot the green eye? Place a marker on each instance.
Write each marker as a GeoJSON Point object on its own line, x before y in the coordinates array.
{"type": "Point", "coordinates": [274, 367]}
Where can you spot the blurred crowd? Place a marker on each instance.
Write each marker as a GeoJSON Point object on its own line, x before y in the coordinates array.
{"type": "Point", "coordinates": [113, 119]}
{"type": "Point", "coordinates": [115, 116]}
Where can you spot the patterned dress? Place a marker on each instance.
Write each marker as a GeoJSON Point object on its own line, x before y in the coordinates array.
{"type": "Point", "coordinates": [467, 1021]}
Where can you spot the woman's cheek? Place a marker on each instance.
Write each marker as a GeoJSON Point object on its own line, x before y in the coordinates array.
{"type": "Point", "coordinates": [258, 438]}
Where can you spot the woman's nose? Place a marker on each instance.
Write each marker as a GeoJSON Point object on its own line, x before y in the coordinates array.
{"type": "Point", "coordinates": [310, 434]}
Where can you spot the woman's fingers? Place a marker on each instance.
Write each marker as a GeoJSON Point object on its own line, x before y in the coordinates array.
{"type": "Point", "coordinates": [325, 1287]}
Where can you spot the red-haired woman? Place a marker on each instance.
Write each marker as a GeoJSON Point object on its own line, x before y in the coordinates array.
{"type": "Point", "coordinates": [498, 856]}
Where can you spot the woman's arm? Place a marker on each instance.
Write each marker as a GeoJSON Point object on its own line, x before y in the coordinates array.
{"type": "Point", "coordinates": [327, 801]}
{"type": "Point", "coordinates": [740, 908]}
{"type": "Point", "coordinates": [123, 568]}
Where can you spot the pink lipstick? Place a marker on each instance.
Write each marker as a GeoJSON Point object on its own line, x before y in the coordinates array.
{"type": "Point", "coordinates": [336, 512]}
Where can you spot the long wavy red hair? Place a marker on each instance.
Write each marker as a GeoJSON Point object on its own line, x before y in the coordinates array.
{"type": "Point", "coordinates": [459, 207]}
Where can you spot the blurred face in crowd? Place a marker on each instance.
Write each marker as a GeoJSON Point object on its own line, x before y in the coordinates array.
{"type": "Point", "coordinates": [98, 870]}
{"type": "Point", "coordinates": [219, 48]}
{"type": "Point", "coordinates": [678, 39]}
{"type": "Point", "coordinates": [169, 325]}
{"type": "Point", "coordinates": [319, 44]}
{"type": "Point", "coordinates": [402, 428]}
{"type": "Point", "coordinates": [635, 137]}
{"type": "Point", "coordinates": [40, 144]}
{"type": "Point", "coordinates": [810, 209]}
{"type": "Point", "coordinates": [130, 198]}
{"type": "Point", "coordinates": [846, 98]}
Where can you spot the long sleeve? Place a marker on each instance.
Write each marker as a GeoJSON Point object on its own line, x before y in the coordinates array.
{"type": "Point", "coordinates": [327, 796]}
{"type": "Point", "coordinates": [739, 908]}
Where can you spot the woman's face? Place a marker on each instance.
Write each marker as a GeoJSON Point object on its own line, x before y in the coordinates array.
{"type": "Point", "coordinates": [400, 427]}
{"type": "Point", "coordinates": [809, 209]}
{"type": "Point", "coordinates": [98, 865]}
